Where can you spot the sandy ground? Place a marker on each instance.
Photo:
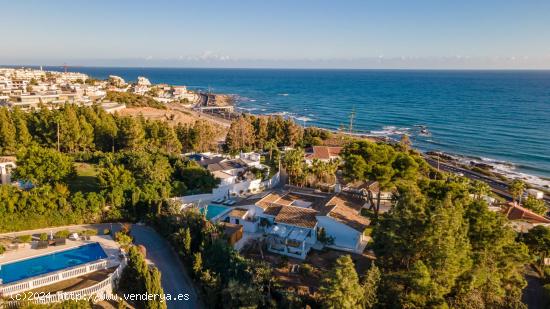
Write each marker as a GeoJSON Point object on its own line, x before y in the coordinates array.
{"type": "Point", "coordinates": [173, 114]}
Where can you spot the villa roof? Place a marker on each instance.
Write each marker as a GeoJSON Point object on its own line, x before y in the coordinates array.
{"type": "Point", "coordinates": [297, 216]}
{"type": "Point", "coordinates": [310, 200]}
{"type": "Point", "coordinates": [516, 212]}
{"type": "Point", "coordinates": [226, 165]}
{"type": "Point", "coordinates": [324, 152]}
{"type": "Point", "coordinates": [347, 210]}
{"type": "Point", "coordinates": [371, 185]}
{"type": "Point", "coordinates": [222, 175]}
{"type": "Point", "coordinates": [238, 212]}
{"type": "Point", "coordinates": [272, 210]}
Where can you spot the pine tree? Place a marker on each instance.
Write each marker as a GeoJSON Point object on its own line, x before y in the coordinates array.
{"type": "Point", "coordinates": [341, 288]}
{"type": "Point", "coordinates": [240, 136]}
{"type": "Point", "coordinates": [7, 133]}
{"type": "Point", "coordinates": [23, 136]}
{"type": "Point", "coordinates": [197, 263]}
{"type": "Point", "coordinates": [153, 286]}
{"type": "Point", "coordinates": [370, 286]}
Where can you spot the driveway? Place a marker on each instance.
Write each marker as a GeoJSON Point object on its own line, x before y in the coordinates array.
{"type": "Point", "coordinates": [174, 277]}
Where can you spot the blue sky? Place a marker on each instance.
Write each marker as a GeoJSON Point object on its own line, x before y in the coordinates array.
{"type": "Point", "coordinates": [282, 33]}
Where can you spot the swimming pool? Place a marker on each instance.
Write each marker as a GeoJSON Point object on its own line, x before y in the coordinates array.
{"type": "Point", "coordinates": [213, 211]}
{"type": "Point", "coordinates": [40, 265]}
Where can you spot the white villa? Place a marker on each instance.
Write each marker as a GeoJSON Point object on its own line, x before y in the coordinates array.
{"type": "Point", "coordinates": [234, 174]}
{"type": "Point", "coordinates": [6, 166]}
{"type": "Point", "coordinates": [291, 220]}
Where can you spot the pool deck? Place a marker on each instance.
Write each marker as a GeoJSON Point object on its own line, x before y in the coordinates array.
{"type": "Point", "coordinates": [27, 251]}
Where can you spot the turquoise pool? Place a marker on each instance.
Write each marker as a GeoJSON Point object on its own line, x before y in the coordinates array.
{"type": "Point", "coordinates": [213, 211]}
{"type": "Point", "coordinates": [44, 264]}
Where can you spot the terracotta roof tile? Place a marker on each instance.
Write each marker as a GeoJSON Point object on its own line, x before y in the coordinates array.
{"type": "Point", "coordinates": [324, 152]}
{"type": "Point", "coordinates": [515, 212]}
{"type": "Point", "coordinates": [238, 212]}
{"type": "Point", "coordinates": [297, 216]}
{"type": "Point", "coordinates": [347, 210]}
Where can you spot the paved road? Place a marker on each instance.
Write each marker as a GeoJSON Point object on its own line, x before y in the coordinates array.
{"type": "Point", "coordinates": [499, 187]}
{"type": "Point", "coordinates": [174, 276]}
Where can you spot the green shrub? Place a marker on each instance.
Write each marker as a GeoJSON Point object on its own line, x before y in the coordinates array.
{"type": "Point", "coordinates": [106, 232]}
{"type": "Point", "coordinates": [123, 239]}
{"type": "Point", "coordinates": [306, 269]}
{"type": "Point", "coordinates": [62, 234]}
{"type": "Point", "coordinates": [89, 232]}
{"type": "Point", "coordinates": [43, 236]}
{"type": "Point", "coordinates": [368, 231]}
{"type": "Point", "coordinates": [2, 249]}
{"type": "Point", "coordinates": [24, 238]}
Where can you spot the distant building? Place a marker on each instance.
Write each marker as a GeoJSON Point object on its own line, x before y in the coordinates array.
{"type": "Point", "coordinates": [323, 153]}
{"type": "Point", "coordinates": [7, 164]}
{"type": "Point", "coordinates": [143, 81]}
{"type": "Point", "coordinates": [522, 218]}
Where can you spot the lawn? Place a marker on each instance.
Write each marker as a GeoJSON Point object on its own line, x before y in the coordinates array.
{"type": "Point", "coordinates": [86, 178]}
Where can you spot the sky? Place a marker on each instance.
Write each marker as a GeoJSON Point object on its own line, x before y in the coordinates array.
{"type": "Point", "coordinates": [465, 34]}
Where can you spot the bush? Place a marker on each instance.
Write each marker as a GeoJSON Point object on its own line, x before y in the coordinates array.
{"type": "Point", "coordinates": [368, 231]}
{"type": "Point", "coordinates": [123, 239]}
{"type": "Point", "coordinates": [43, 236]}
{"type": "Point", "coordinates": [89, 232]}
{"type": "Point", "coordinates": [62, 234]}
{"type": "Point", "coordinates": [106, 232]}
{"type": "Point", "coordinates": [24, 238]}
{"type": "Point", "coordinates": [2, 249]}
{"type": "Point", "coordinates": [306, 269]}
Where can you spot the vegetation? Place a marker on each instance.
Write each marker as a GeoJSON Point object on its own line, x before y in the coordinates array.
{"type": "Point", "coordinates": [438, 248]}
{"type": "Point", "coordinates": [140, 278]}
{"type": "Point", "coordinates": [62, 234]}
{"type": "Point", "coordinates": [538, 242]}
{"type": "Point", "coordinates": [341, 287]}
{"type": "Point", "coordinates": [516, 188]}
{"type": "Point", "coordinates": [25, 239]}
{"type": "Point", "coordinates": [225, 278]}
{"type": "Point", "coordinates": [133, 100]}
{"type": "Point", "coordinates": [251, 132]}
{"type": "Point", "coordinates": [43, 166]}
{"type": "Point", "coordinates": [537, 206]}
{"type": "Point", "coordinates": [130, 183]}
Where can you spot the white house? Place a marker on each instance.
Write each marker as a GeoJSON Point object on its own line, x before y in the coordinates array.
{"type": "Point", "coordinates": [292, 220]}
{"type": "Point", "coordinates": [6, 166]}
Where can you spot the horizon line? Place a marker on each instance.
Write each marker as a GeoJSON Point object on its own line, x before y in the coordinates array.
{"type": "Point", "coordinates": [76, 66]}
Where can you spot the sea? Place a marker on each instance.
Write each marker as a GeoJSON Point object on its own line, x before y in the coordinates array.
{"type": "Point", "coordinates": [501, 118]}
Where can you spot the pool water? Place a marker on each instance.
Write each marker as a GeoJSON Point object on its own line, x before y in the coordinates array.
{"type": "Point", "coordinates": [44, 264]}
{"type": "Point", "coordinates": [213, 211]}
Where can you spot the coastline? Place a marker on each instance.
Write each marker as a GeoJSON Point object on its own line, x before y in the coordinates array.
{"type": "Point", "coordinates": [495, 169]}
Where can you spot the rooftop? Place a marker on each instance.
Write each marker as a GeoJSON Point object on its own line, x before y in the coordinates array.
{"type": "Point", "coordinates": [324, 152]}
{"type": "Point", "coordinates": [347, 210]}
{"type": "Point", "coordinates": [297, 216]}
{"type": "Point", "coordinates": [516, 212]}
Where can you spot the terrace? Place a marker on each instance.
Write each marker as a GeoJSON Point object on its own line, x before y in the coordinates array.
{"type": "Point", "coordinates": [288, 240]}
{"type": "Point", "coordinates": [31, 265]}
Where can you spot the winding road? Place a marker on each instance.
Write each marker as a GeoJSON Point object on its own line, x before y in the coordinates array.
{"type": "Point", "coordinates": [174, 276]}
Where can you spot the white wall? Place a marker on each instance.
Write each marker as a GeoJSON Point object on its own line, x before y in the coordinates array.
{"type": "Point", "coordinates": [344, 236]}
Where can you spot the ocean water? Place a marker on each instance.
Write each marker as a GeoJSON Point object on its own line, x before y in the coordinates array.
{"type": "Point", "coordinates": [502, 117]}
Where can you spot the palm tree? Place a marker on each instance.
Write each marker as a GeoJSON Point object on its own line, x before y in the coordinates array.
{"type": "Point", "coordinates": [270, 144]}
{"type": "Point", "coordinates": [516, 189]}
